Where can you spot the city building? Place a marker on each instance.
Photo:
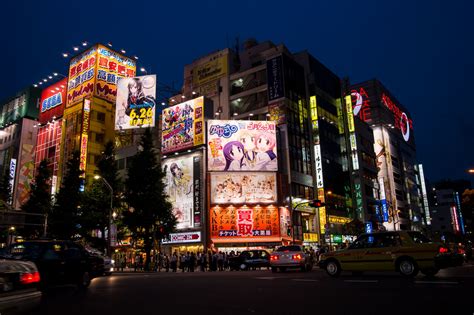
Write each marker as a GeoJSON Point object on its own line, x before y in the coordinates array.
{"type": "Point", "coordinates": [88, 121]}
{"type": "Point", "coordinates": [17, 141]}
{"type": "Point", "coordinates": [48, 140]}
{"type": "Point", "coordinates": [394, 145]}
{"type": "Point", "coordinates": [446, 212]}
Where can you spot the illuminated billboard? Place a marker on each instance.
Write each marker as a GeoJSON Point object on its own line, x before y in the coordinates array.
{"type": "Point", "coordinates": [52, 101]}
{"type": "Point", "coordinates": [243, 188]}
{"type": "Point", "coordinates": [183, 126]}
{"type": "Point", "coordinates": [183, 189]}
{"type": "Point", "coordinates": [136, 101]}
{"type": "Point", "coordinates": [110, 67]}
{"type": "Point", "coordinates": [244, 224]}
{"type": "Point", "coordinates": [242, 145]}
{"type": "Point", "coordinates": [95, 72]}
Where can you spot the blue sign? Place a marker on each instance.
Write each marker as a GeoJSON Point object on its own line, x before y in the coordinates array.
{"type": "Point", "coordinates": [368, 227]}
{"type": "Point", "coordinates": [384, 210]}
{"type": "Point", "coordinates": [51, 102]}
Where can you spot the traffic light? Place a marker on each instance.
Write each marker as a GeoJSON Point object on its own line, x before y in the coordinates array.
{"type": "Point", "coordinates": [316, 203]}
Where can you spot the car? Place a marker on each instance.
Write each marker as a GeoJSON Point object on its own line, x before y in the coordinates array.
{"type": "Point", "coordinates": [291, 256]}
{"type": "Point", "coordinates": [108, 265]}
{"type": "Point", "coordinates": [18, 286]}
{"type": "Point", "coordinates": [250, 259]}
{"type": "Point", "coordinates": [407, 252]}
{"type": "Point", "coordinates": [59, 262]}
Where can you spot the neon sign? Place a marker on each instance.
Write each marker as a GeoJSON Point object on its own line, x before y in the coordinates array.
{"type": "Point", "coordinates": [362, 104]}
{"type": "Point", "coordinates": [401, 120]}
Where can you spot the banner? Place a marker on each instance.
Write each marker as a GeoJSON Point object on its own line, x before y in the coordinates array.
{"type": "Point", "coordinates": [81, 76]}
{"type": "Point", "coordinates": [181, 188]}
{"type": "Point", "coordinates": [275, 78]}
{"type": "Point", "coordinates": [244, 188]}
{"type": "Point", "coordinates": [183, 126]}
{"type": "Point", "coordinates": [245, 224]}
{"type": "Point", "coordinates": [210, 71]}
{"type": "Point", "coordinates": [242, 145]}
{"type": "Point", "coordinates": [52, 102]}
{"type": "Point", "coordinates": [25, 174]}
{"type": "Point", "coordinates": [136, 102]}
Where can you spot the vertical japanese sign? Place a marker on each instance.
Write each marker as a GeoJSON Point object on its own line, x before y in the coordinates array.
{"type": "Point", "coordinates": [424, 195]}
{"type": "Point", "coordinates": [136, 102]}
{"type": "Point", "coordinates": [350, 116]}
{"type": "Point", "coordinates": [244, 221]}
{"type": "Point", "coordinates": [12, 177]}
{"type": "Point", "coordinates": [25, 174]}
{"type": "Point", "coordinates": [355, 158]}
{"type": "Point", "coordinates": [275, 83]}
{"type": "Point", "coordinates": [368, 227]}
{"type": "Point", "coordinates": [84, 136]}
{"type": "Point", "coordinates": [197, 190]}
{"type": "Point", "coordinates": [319, 166]}
{"type": "Point", "coordinates": [383, 200]}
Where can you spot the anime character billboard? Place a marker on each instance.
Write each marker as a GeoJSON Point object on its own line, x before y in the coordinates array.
{"type": "Point", "coordinates": [180, 189]}
{"type": "Point", "coordinates": [242, 145]}
{"type": "Point", "coordinates": [183, 126]}
{"type": "Point", "coordinates": [244, 188]}
{"type": "Point", "coordinates": [136, 100]}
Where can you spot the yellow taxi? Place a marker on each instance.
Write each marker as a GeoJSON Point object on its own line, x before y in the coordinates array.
{"type": "Point", "coordinates": [404, 251]}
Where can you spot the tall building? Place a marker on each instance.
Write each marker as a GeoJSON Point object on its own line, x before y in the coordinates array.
{"type": "Point", "coordinates": [48, 140]}
{"type": "Point", "coordinates": [394, 145]}
{"type": "Point", "coordinates": [17, 140]}
{"type": "Point", "coordinates": [88, 121]}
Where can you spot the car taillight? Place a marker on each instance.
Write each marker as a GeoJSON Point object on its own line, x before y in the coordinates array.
{"type": "Point", "coordinates": [443, 250]}
{"type": "Point", "coordinates": [461, 251]}
{"type": "Point", "coordinates": [297, 257]}
{"type": "Point", "coordinates": [273, 257]}
{"type": "Point", "coordinates": [30, 277]}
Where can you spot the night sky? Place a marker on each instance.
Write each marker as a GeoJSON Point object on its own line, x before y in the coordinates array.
{"type": "Point", "coordinates": [422, 51]}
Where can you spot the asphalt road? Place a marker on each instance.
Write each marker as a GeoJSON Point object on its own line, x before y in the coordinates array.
{"type": "Point", "coordinates": [242, 292]}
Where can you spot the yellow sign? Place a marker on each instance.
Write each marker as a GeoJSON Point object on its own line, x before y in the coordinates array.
{"type": "Point", "coordinates": [322, 219]}
{"type": "Point", "coordinates": [339, 220]}
{"type": "Point", "coordinates": [84, 136]}
{"type": "Point", "coordinates": [340, 119]}
{"type": "Point", "coordinates": [350, 115]}
{"type": "Point", "coordinates": [210, 70]}
{"type": "Point", "coordinates": [313, 107]}
{"type": "Point", "coordinates": [310, 237]}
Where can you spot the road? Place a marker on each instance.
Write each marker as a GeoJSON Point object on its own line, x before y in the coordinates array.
{"type": "Point", "coordinates": [243, 292]}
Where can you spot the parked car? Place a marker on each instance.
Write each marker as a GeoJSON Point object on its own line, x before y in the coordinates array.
{"type": "Point", "coordinates": [18, 286]}
{"type": "Point", "coordinates": [404, 251]}
{"type": "Point", "coordinates": [59, 262]}
{"type": "Point", "coordinates": [108, 262]}
{"type": "Point", "coordinates": [292, 256]}
{"type": "Point", "coordinates": [250, 259]}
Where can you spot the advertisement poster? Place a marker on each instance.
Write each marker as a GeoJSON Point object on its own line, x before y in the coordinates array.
{"type": "Point", "coordinates": [245, 224]}
{"type": "Point", "coordinates": [136, 101]}
{"type": "Point", "coordinates": [245, 188]}
{"type": "Point", "coordinates": [183, 126]}
{"type": "Point", "coordinates": [242, 145]}
{"type": "Point", "coordinates": [25, 174]}
{"type": "Point", "coordinates": [183, 189]}
{"type": "Point", "coordinates": [210, 70]}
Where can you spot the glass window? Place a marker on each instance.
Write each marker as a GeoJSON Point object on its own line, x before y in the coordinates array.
{"type": "Point", "coordinates": [291, 248]}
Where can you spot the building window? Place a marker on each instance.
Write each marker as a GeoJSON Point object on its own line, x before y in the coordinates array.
{"type": "Point", "coordinates": [99, 137]}
{"type": "Point", "coordinates": [100, 116]}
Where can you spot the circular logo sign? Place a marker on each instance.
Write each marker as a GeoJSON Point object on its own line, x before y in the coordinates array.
{"type": "Point", "coordinates": [405, 126]}
{"type": "Point", "coordinates": [358, 104]}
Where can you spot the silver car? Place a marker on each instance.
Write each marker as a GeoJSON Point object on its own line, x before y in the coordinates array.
{"type": "Point", "coordinates": [291, 256]}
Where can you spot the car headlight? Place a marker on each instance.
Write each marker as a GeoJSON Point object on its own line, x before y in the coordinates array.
{"type": "Point", "coordinates": [112, 261]}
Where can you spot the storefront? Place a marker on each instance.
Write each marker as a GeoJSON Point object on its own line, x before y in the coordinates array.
{"type": "Point", "coordinates": [183, 242]}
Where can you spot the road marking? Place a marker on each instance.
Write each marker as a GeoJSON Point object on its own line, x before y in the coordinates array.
{"type": "Point", "coordinates": [436, 282]}
{"type": "Point", "coordinates": [265, 278]}
{"type": "Point", "coordinates": [362, 281]}
{"type": "Point", "coordinates": [305, 280]}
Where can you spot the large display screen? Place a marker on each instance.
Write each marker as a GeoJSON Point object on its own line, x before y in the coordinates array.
{"type": "Point", "coordinates": [244, 224]}
{"type": "Point", "coordinates": [183, 126]}
{"type": "Point", "coordinates": [183, 188]}
{"type": "Point", "coordinates": [136, 101]}
{"type": "Point", "coordinates": [242, 145]}
{"type": "Point", "coordinates": [243, 188]}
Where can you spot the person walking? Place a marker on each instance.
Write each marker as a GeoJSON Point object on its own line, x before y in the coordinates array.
{"type": "Point", "coordinates": [174, 261]}
{"type": "Point", "coordinates": [167, 263]}
{"type": "Point", "coordinates": [182, 263]}
{"type": "Point", "coordinates": [203, 261]}
{"type": "Point", "coordinates": [192, 262]}
{"type": "Point", "coordinates": [220, 261]}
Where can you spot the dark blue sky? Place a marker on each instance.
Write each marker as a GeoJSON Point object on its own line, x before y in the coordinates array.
{"type": "Point", "coordinates": [421, 50]}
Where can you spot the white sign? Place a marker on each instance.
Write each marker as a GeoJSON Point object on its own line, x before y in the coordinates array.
{"type": "Point", "coordinates": [319, 166]}
{"type": "Point", "coordinates": [187, 237]}
{"type": "Point", "coordinates": [12, 175]}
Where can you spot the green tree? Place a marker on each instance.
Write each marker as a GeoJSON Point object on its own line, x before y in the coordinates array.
{"type": "Point", "coordinates": [150, 212]}
{"type": "Point", "coordinates": [63, 220]}
{"type": "Point", "coordinates": [93, 214]}
{"type": "Point", "coordinates": [39, 201]}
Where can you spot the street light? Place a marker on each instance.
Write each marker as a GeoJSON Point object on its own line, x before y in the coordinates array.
{"type": "Point", "coordinates": [109, 217]}
{"type": "Point", "coordinates": [471, 171]}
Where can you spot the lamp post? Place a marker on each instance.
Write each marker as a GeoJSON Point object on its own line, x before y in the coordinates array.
{"type": "Point", "coordinates": [109, 217]}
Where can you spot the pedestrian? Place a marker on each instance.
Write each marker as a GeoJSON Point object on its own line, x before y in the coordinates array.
{"type": "Point", "coordinates": [174, 261]}
{"type": "Point", "coordinates": [192, 262]}
{"type": "Point", "coordinates": [136, 263]}
{"type": "Point", "coordinates": [167, 263]}
{"type": "Point", "coordinates": [160, 261]}
{"type": "Point", "coordinates": [220, 261]}
{"type": "Point", "coordinates": [182, 263]}
{"type": "Point", "coordinates": [203, 262]}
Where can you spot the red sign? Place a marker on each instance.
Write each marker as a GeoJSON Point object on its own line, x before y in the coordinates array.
{"type": "Point", "coordinates": [361, 104]}
{"type": "Point", "coordinates": [52, 102]}
{"type": "Point", "coordinates": [401, 120]}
